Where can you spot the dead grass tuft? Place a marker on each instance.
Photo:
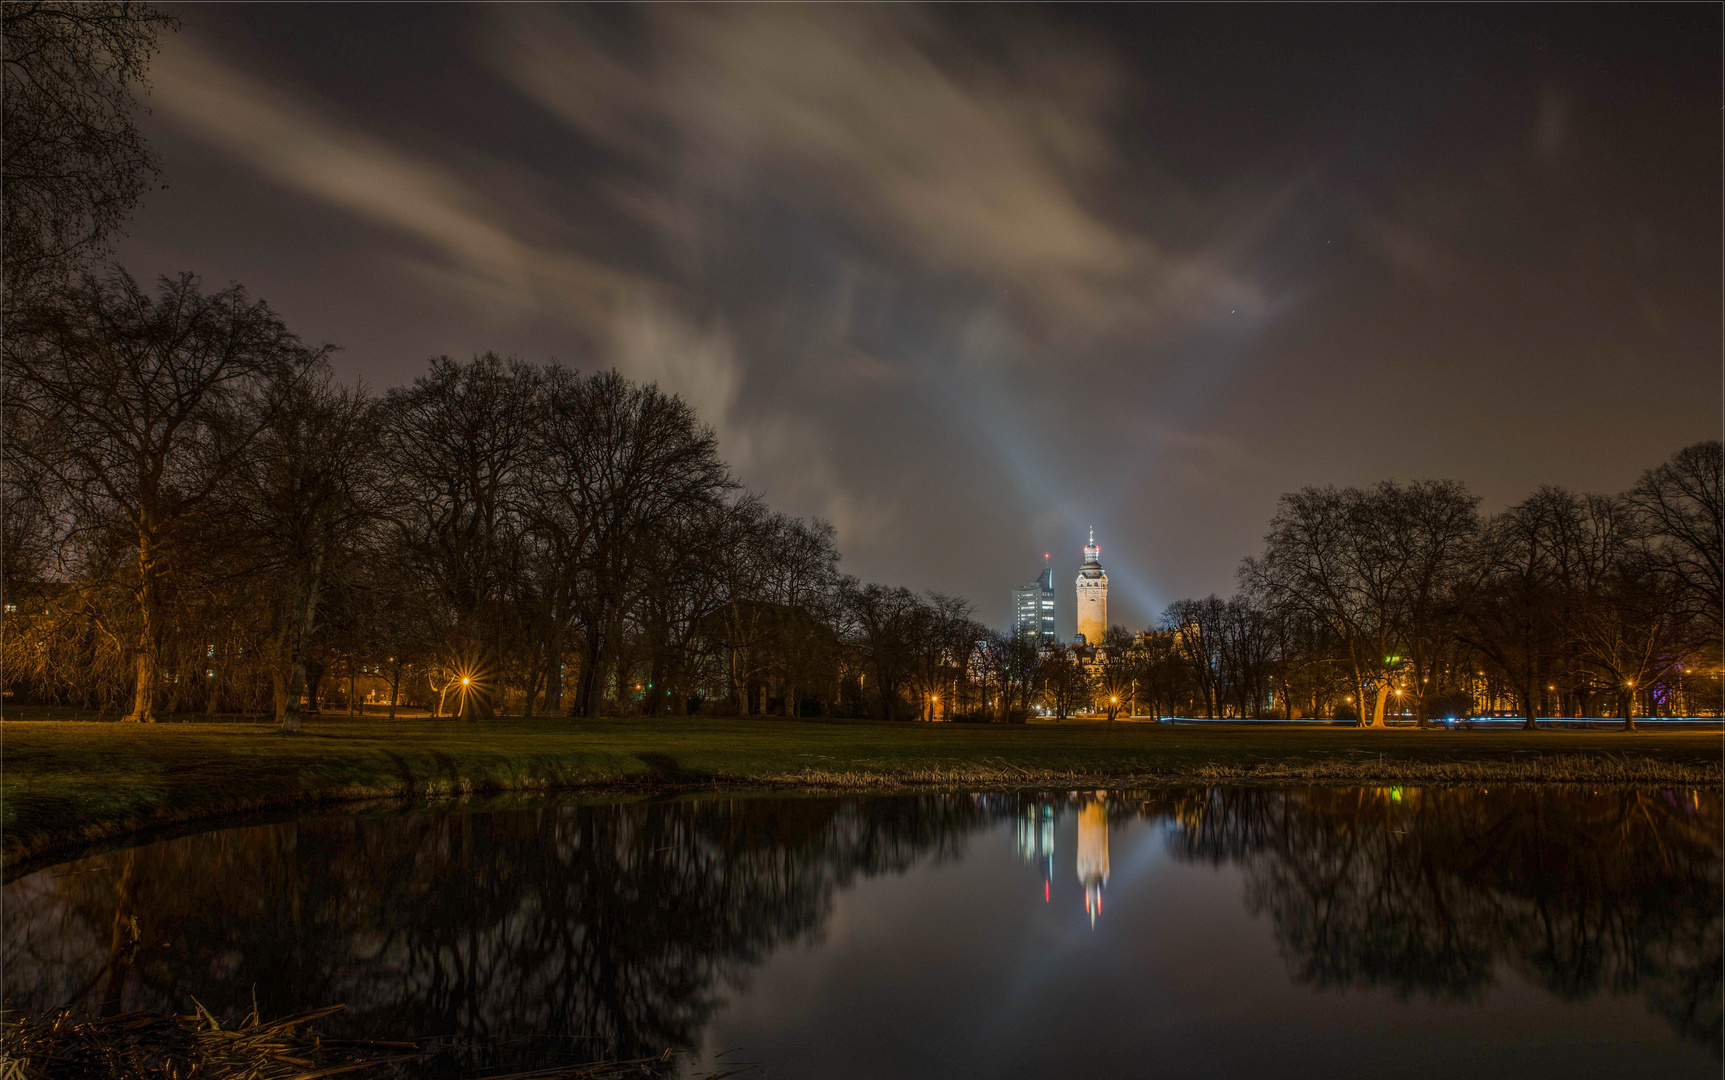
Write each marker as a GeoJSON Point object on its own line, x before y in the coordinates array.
{"type": "Point", "coordinates": [155, 1046]}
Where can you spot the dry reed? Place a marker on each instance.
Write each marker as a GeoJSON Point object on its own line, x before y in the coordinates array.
{"type": "Point", "coordinates": [63, 1045]}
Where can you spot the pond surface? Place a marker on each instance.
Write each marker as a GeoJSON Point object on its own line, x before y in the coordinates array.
{"type": "Point", "coordinates": [1205, 932]}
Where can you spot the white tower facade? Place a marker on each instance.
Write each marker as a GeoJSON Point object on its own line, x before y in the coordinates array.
{"type": "Point", "coordinates": [1092, 595]}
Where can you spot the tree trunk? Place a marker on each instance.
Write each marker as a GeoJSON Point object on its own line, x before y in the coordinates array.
{"type": "Point", "coordinates": [590, 685]}
{"type": "Point", "coordinates": [1378, 708]}
{"type": "Point", "coordinates": [534, 674]}
{"type": "Point", "coordinates": [296, 687]}
{"type": "Point", "coordinates": [122, 938]}
{"type": "Point", "coordinates": [394, 687]}
{"type": "Point", "coordinates": [1529, 708]}
{"type": "Point", "coordinates": [148, 650]}
{"type": "Point", "coordinates": [739, 680]}
{"type": "Point", "coordinates": [213, 683]}
{"type": "Point", "coordinates": [313, 687]}
{"type": "Point", "coordinates": [298, 630]}
{"type": "Point", "coordinates": [1628, 710]}
{"type": "Point", "coordinates": [624, 688]}
{"type": "Point", "coordinates": [278, 689]}
{"type": "Point", "coordinates": [554, 673]}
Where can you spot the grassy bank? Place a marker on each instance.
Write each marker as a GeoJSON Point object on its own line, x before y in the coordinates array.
{"type": "Point", "coordinates": [69, 783]}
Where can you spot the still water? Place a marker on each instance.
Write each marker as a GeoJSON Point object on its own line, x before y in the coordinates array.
{"type": "Point", "coordinates": [1205, 932]}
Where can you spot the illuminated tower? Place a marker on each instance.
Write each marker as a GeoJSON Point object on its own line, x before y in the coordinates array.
{"type": "Point", "coordinates": [1093, 854]}
{"type": "Point", "coordinates": [1033, 607]}
{"type": "Point", "coordinates": [1092, 595]}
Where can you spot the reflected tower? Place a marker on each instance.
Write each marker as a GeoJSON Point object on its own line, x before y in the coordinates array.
{"type": "Point", "coordinates": [1092, 595]}
{"type": "Point", "coordinates": [1093, 855]}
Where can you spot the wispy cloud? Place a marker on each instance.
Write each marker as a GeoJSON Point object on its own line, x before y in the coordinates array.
{"type": "Point", "coordinates": [970, 168]}
{"type": "Point", "coordinates": [498, 255]}
{"type": "Point", "coordinates": [469, 237]}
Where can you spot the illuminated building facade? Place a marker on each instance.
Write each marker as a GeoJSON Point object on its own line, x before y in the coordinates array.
{"type": "Point", "coordinates": [1092, 595]}
{"type": "Point", "coordinates": [1033, 607]}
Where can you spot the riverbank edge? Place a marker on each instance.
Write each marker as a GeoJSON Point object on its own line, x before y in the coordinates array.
{"type": "Point", "coordinates": [36, 849]}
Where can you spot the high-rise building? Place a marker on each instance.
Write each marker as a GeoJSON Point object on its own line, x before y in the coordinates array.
{"type": "Point", "coordinates": [1092, 595]}
{"type": "Point", "coordinates": [1033, 607]}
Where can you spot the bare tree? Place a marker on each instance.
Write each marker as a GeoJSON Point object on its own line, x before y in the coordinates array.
{"type": "Point", "coordinates": [1513, 614]}
{"type": "Point", "coordinates": [1432, 526]}
{"type": "Point", "coordinates": [886, 621]}
{"type": "Point", "coordinates": [1624, 614]}
{"type": "Point", "coordinates": [1196, 626]}
{"type": "Point", "coordinates": [625, 461]}
{"type": "Point", "coordinates": [74, 160]}
{"type": "Point", "coordinates": [1679, 504]}
{"type": "Point", "coordinates": [301, 500]}
{"type": "Point", "coordinates": [1066, 685]}
{"type": "Point", "coordinates": [1377, 566]}
{"type": "Point", "coordinates": [144, 405]}
{"type": "Point", "coordinates": [459, 441]}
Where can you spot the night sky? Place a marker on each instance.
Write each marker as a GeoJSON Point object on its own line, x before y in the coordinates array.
{"type": "Point", "coordinates": [966, 281]}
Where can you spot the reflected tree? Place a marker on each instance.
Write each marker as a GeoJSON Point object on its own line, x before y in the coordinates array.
{"type": "Point", "coordinates": [620, 927]}
{"type": "Point", "coordinates": [1428, 891]}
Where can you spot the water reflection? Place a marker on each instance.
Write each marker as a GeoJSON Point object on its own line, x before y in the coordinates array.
{"type": "Point", "coordinates": [1035, 836]}
{"type": "Point", "coordinates": [628, 925]}
{"type": "Point", "coordinates": [621, 925]}
{"type": "Point", "coordinates": [1093, 853]}
{"type": "Point", "coordinates": [1425, 891]}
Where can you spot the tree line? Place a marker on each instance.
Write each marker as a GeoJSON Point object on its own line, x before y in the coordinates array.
{"type": "Point", "coordinates": [1403, 598]}
{"type": "Point", "coordinates": [198, 516]}
{"type": "Point", "coordinates": [201, 517]}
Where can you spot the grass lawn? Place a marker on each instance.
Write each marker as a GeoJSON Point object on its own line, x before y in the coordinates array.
{"type": "Point", "coordinates": [68, 783]}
